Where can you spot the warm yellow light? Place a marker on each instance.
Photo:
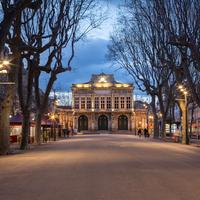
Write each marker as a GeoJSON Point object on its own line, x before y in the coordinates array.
{"type": "Point", "coordinates": [180, 87]}
{"type": "Point", "coordinates": [118, 85]}
{"type": "Point", "coordinates": [86, 85]}
{"type": "Point", "coordinates": [6, 62]}
{"type": "Point", "coordinates": [185, 92]}
{"type": "Point", "coordinates": [53, 116]}
{"type": "Point", "coordinates": [3, 71]}
{"type": "Point", "coordinates": [102, 85]}
{"type": "Point", "coordinates": [102, 80]}
{"type": "Point", "coordinates": [1, 66]}
{"type": "Point", "coordinates": [79, 85]}
{"type": "Point", "coordinates": [125, 85]}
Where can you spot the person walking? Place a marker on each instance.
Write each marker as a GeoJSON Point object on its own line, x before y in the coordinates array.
{"type": "Point", "coordinates": [140, 133]}
{"type": "Point", "coordinates": [146, 134]}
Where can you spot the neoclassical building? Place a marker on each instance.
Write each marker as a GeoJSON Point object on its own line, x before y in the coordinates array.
{"type": "Point", "coordinates": [102, 104]}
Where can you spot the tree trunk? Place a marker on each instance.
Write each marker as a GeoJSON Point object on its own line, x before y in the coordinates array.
{"type": "Point", "coordinates": [4, 129]}
{"type": "Point", "coordinates": [38, 128]}
{"type": "Point", "coordinates": [163, 131]}
{"type": "Point", "coordinates": [155, 118]}
{"type": "Point", "coordinates": [155, 126]}
{"type": "Point", "coordinates": [5, 108]}
{"type": "Point", "coordinates": [25, 130]}
{"type": "Point", "coordinates": [191, 119]}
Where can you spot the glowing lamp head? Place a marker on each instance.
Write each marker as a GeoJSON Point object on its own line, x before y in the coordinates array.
{"type": "Point", "coordinates": [53, 116]}
{"type": "Point", "coordinates": [180, 87]}
{"type": "Point", "coordinates": [5, 62]}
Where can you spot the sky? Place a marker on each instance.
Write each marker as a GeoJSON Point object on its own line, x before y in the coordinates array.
{"type": "Point", "coordinates": [90, 55]}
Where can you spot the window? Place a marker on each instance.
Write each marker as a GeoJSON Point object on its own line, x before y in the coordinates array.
{"type": "Point", "coordinates": [128, 102]}
{"type": "Point", "coordinates": [102, 102]}
{"type": "Point", "coordinates": [109, 104]}
{"type": "Point", "coordinates": [122, 102]}
{"type": "Point", "coordinates": [96, 102]}
{"type": "Point", "coordinates": [76, 102]}
{"type": "Point", "coordinates": [82, 102]}
{"type": "Point", "coordinates": [116, 102]}
{"type": "Point", "coordinates": [89, 104]}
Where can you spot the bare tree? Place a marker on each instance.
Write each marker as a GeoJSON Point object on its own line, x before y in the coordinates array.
{"type": "Point", "coordinates": [10, 9]}
{"type": "Point", "coordinates": [180, 20]}
{"type": "Point", "coordinates": [11, 12]}
{"type": "Point", "coordinates": [46, 35]}
{"type": "Point", "coordinates": [140, 48]}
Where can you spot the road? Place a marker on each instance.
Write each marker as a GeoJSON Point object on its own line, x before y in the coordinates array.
{"type": "Point", "coordinates": [102, 167]}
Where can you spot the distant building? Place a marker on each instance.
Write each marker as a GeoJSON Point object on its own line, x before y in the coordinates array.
{"type": "Point", "coordinates": [63, 98]}
{"type": "Point", "coordinates": [103, 104]}
{"type": "Point", "coordinates": [65, 116]}
{"type": "Point", "coordinates": [143, 116]}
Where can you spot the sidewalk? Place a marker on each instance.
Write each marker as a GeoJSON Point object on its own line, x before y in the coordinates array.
{"type": "Point", "coordinates": [193, 142]}
{"type": "Point", "coordinates": [15, 147]}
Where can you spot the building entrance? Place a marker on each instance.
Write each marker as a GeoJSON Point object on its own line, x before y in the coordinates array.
{"type": "Point", "coordinates": [82, 123]}
{"type": "Point", "coordinates": [103, 122]}
{"type": "Point", "coordinates": [123, 122]}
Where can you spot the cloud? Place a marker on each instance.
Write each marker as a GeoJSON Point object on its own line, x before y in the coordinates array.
{"type": "Point", "coordinates": [90, 52]}
{"type": "Point", "coordinates": [90, 55]}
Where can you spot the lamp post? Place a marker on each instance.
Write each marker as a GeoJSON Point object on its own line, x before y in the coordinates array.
{"type": "Point", "coordinates": [183, 105]}
{"type": "Point", "coordinates": [146, 106]}
{"type": "Point", "coordinates": [53, 118]}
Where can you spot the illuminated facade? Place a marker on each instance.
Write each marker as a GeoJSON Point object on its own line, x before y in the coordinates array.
{"type": "Point", "coordinates": [102, 104]}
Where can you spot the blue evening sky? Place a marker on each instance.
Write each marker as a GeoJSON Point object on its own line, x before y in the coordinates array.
{"type": "Point", "coordinates": [91, 53]}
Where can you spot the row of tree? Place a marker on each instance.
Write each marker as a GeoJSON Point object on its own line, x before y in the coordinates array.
{"type": "Point", "coordinates": [158, 43]}
{"type": "Point", "coordinates": [37, 34]}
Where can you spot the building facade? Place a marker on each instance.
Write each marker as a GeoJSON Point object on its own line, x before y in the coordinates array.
{"type": "Point", "coordinates": [103, 104]}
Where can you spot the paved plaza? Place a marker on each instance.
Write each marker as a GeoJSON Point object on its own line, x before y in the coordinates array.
{"type": "Point", "coordinates": [102, 167]}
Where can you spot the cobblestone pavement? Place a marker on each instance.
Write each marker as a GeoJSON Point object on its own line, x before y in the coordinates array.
{"type": "Point", "coordinates": [102, 167]}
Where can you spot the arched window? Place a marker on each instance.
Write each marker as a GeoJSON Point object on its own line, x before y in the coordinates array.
{"type": "Point", "coordinates": [82, 123]}
{"type": "Point", "coordinates": [123, 122]}
{"type": "Point", "coordinates": [103, 122]}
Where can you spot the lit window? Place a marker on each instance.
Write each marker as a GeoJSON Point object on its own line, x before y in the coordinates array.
{"type": "Point", "coordinates": [128, 102]}
{"type": "Point", "coordinates": [122, 102]}
{"type": "Point", "coordinates": [82, 102]}
{"type": "Point", "coordinates": [89, 103]}
{"type": "Point", "coordinates": [109, 104]}
{"type": "Point", "coordinates": [102, 102]}
{"type": "Point", "coordinates": [96, 102]}
{"type": "Point", "coordinates": [116, 102]}
{"type": "Point", "coordinates": [76, 102]}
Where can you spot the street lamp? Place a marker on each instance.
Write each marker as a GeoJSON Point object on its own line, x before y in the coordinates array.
{"type": "Point", "coordinates": [4, 66]}
{"type": "Point", "coordinates": [183, 105]}
{"type": "Point", "coordinates": [53, 118]}
{"type": "Point", "coordinates": [146, 106]}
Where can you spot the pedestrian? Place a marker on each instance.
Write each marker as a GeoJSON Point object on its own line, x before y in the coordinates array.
{"type": "Point", "coordinates": [176, 135]}
{"type": "Point", "coordinates": [72, 131]}
{"type": "Point", "coordinates": [68, 132]}
{"type": "Point", "coordinates": [146, 133]}
{"type": "Point", "coordinates": [140, 133]}
{"type": "Point", "coordinates": [64, 132]}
